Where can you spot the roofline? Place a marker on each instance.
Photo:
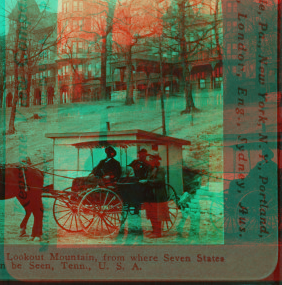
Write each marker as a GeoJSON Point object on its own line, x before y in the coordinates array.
{"type": "Point", "coordinates": [118, 133]}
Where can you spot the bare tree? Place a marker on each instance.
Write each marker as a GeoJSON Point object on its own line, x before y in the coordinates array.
{"type": "Point", "coordinates": [31, 34]}
{"type": "Point", "coordinates": [101, 18]}
{"type": "Point", "coordinates": [129, 32]}
{"type": "Point", "coordinates": [191, 32]}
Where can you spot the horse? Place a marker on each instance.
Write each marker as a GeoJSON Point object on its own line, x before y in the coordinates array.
{"type": "Point", "coordinates": [26, 184]}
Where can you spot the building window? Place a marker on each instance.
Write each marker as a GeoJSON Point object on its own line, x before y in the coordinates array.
{"type": "Point", "coordinates": [234, 52]}
{"type": "Point", "coordinates": [77, 47]}
{"type": "Point", "coordinates": [229, 7]}
{"type": "Point", "coordinates": [66, 7]}
{"type": "Point", "coordinates": [202, 83]}
{"type": "Point", "coordinates": [74, 47]}
{"type": "Point", "coordinates": [81, 24]}
{"type": "Point", "coordinates": [80, 8]}
{"type": "Point", "coordinates": [75, 5]}
{"type": "Point", "coordinates": [92, 23]}
{"type": "Point", "coordinates": [217, 83]}
{"type": "Point", "coordinates": [80, 47]}
{"type": "Point", "coordinates": [75, 25]}
{"type": "Point", "coordinates": [66, 26]}
{"type": "Point", "coordinates": [235, 7]}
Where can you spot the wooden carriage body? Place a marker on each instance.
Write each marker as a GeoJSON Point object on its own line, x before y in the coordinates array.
{"type": "Point", "coordinates": [76, 154]}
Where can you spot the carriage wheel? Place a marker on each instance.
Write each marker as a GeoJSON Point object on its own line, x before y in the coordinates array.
{"type": "Point", "coordinates": [172, 203]}
{"type": "Point", "coordinates": [101, 213]}
{"type": "Point", "coordinates": [66, 215]}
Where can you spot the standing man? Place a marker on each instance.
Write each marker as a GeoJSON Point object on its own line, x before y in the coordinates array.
{"type": "Point", "coordinates": [156, 208]}
{"type": "Point", "coordinates": [108, 169]}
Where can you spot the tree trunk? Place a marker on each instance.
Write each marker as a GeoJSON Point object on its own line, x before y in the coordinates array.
{"type": "Point", "coordinates": [147, 87]}
{"type": "Point", "coordinates": [104, 68]}
{"type": "Point", "coordinates": [185, 73]}
{"type": "Point", "coordinates": [16, 95]}
{"type": "Point", "coordinates": [104, 53]}
{"type": "Point", "coordinates": [129, 89]}
{"type": "Point", "coordinates": [162, 89]}
{"type": "Point", "coordinates": [28, 89]}
{"type": "Point", "coordinates": [3, 87]}
{"type": "Point", "coordinates": [216, 29]}
{"type": "Point", "coordinates": [15, 101]}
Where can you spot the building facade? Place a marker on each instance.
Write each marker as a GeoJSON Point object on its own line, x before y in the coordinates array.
{"type": "Point", "coordinates": [66, 51]}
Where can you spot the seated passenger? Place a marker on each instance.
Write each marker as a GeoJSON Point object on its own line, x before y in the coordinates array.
{"type": "Point", "coordinates": [108, 169]}
{"type": "Point", "coordinates": [141, 168]}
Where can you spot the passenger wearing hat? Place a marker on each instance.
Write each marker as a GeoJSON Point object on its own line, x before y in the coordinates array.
{"type": "Point", "coordinates": [108, 169]}
{"type": "Point", "coordinates": [156, 208]}
{"type": "Point", "coordinates": [141, 168]}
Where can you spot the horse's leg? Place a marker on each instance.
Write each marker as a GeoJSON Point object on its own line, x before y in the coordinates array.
{"type": "Point", "coordinates": [37, 210]}
{"type": "Point", "coordinates": [26, 206]}
{"type": "Point", "coordinates": [24, 222]}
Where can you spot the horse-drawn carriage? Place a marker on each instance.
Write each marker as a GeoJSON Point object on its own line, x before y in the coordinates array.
{"type": "Point", "coordinates": [101, 209]}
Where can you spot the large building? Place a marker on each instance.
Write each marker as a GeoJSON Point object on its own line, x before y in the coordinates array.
{"type": "Point", "coordinates": [65, 50]}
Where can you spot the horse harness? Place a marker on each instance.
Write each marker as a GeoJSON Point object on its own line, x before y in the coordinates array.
{"type": "Point", "coordinates": [26, 188]}
{"type": "Point", "coordinates": [21, 168]}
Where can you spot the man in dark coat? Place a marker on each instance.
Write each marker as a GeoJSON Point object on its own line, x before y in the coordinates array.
{"type": "Point", "coordinates": [157, 208]}
{"type": "Point", "coordinates": [108, 169]}
{"type": "Point", "coordinates": [141, 168]}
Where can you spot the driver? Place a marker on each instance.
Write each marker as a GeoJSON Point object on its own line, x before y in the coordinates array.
{"type": "Point", "coordinates": [108, 169]}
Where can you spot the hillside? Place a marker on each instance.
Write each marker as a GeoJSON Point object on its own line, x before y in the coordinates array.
{"type": "Point", "coordinates": [92, 117]}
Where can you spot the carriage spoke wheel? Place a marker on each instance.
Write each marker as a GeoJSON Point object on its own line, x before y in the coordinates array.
{"type": "Point", "coordinates": [66, 215]}
{"type": "Point", "coordinates": [100, 213]}
{"type": "Point", "coordinates": [172, 204]}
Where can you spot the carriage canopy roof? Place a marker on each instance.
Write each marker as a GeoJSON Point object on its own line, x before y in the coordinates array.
{"type": "Point", "coordinates": [119, 138]}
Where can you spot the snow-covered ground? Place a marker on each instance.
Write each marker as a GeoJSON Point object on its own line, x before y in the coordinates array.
{"type": "Point", "coordinates": [135, 229]}
{"type": "Point", "coordinates": [92, 117]}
